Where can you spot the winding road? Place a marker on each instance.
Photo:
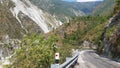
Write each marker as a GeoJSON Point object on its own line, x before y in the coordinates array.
{"type": "Point", "coordinates": [89, 59]}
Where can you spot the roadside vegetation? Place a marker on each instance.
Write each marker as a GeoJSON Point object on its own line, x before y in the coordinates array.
{"type": "Point", "coordinates": [37, 51]}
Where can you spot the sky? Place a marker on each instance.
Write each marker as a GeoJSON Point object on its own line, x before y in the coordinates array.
{"type": "Point", "coordinates": [70, 0]}
{"type": "Point", "coordinates": [81, 0]}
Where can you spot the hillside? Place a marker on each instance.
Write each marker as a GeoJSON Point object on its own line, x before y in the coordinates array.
{"type": "Point", "coordinates": [105, 8]}
{"type": "Point", "coordinates": [42, 20]}
{"type": "Point", "coordinates": [21, 17]}
{"type": "Point", "coordinates": [8, 23]}
{"type": "Point", "coordinates": [62, 9]}
{"type": "Point", "coordinates": [41, 33]}
{"type": "Point", "coordinates": [111, 35]}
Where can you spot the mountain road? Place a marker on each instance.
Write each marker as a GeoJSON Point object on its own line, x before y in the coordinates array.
{"type": "Point", "coordinates": [89, 59]}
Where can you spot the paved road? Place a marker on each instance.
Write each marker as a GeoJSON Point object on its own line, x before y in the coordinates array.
{"type": "Point", "coordinates": [89, 59]}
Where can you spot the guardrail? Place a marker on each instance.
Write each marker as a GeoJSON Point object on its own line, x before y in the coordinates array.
{"type": "Point", "coordinates": [68, 62]}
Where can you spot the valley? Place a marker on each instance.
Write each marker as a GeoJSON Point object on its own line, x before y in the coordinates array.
{"type": "Point", "coordinates": [32, 31]}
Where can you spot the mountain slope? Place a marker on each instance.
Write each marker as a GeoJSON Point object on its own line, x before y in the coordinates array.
{"type": "Point", "coordinates": [111, 35]}
{"type": "Point", "coordinates": [44, 20]}
{"type": "Point", "coordinates": [24, 17]}
{"type": "Point", "coordinates": [19, 18]}
{"type": "Point", "coordinates": [105, 8]}
{"type": "Point", "coordinates": [62, 9]}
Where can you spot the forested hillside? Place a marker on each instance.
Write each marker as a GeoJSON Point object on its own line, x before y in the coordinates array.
{"type": "Point", "coordinates": [111, 35]}
{"type": "Point", "coordinates": [65, 10]}
{"type": "Point", "coordinates": [105, 8]}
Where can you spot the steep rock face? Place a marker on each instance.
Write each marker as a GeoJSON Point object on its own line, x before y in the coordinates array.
{"type": "Point", "coordinates": [8, 23]}
{"type": "Point", "coordinates": [7, 49]}
{"type": "Point", "coordinates": [19, 17]}
{"type": "Point", "coordinates": [45, 21]}
{"type": "Point", "coordinates": [114, 45]}
{"type": "Point", "coordinates": [111, 37]}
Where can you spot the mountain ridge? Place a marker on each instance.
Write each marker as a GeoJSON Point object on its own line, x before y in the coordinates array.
{"type": "Point", "coordinates": [106, 8]}
{"type": "Point", "coordinates": [27, 22]}
{"type": "Point", "coordinates": [62, 9]}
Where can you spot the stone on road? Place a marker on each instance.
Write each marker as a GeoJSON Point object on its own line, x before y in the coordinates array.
{"type": "Point", "coordinates": [89, 59]}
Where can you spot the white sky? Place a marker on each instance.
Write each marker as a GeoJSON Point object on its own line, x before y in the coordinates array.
{"type": "Point", "coordinates": [87, 0]}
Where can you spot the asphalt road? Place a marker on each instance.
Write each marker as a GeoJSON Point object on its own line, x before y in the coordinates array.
{"type": "Point", "coordinates": [89, 59]}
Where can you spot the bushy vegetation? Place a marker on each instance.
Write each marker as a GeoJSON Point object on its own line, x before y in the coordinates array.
{"type": "Point", "coordinates": [91, 30]}
{"type": "Point", "coordinates": [37, 51]}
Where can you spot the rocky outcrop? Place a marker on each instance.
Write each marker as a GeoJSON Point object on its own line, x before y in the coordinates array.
{"type": "Point", "coordinates": [8, 46]}
{"type": "Point", "coordinates": [111, 44]}
{"type": "Point", "coordinates": [114, 45]}
{"type": "Point", "coordinates": [20, 17]}
{"type": "Point", "coordinates": [44, 20]}
{"type": "Point", "coordinates": [7, 49]}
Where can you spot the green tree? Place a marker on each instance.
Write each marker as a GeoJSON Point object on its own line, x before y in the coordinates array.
{"type": "Point", "coordinates": [35, 52]}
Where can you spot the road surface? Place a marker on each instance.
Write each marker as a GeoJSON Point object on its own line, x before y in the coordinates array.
{"type": "Point", "coordinates": [89, 59]}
